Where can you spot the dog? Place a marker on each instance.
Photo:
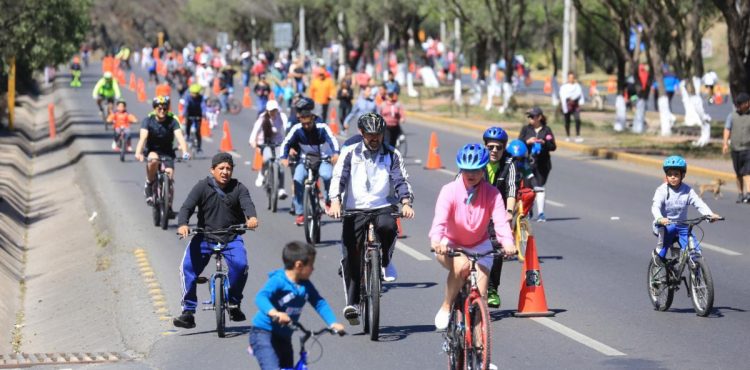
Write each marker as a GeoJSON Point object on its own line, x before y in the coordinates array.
{"type": "Point", "coordinates": [713, 186]}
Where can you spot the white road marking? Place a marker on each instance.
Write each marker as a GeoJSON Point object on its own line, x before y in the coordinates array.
{"type": "Point", "coordinates": [578, 337]}
{"type": "Point", "coordinates": [719, 249]}
{"type": "Point", "coordinates": [615, 218]}
{"type": "Point", "coordinates": [234, 154]}
{"type": "Point", "coordinates": [449, 172]}
{"type": "Point", "coordinates": [412, 252]}
{"type": "Point", "coordinates": [208, 139]}
{"type": "Point", "coordinates": [553, 203]}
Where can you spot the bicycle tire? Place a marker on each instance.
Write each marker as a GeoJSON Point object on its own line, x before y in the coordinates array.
{"type": "Point", "coordinates": [477, 355]}
{"type": "Point", "coordinates": [267, 185]}
{"type": "Point", "coordinates": [455, 337]}
{"type": "Point", "coordinates": [219, 303]}
{"type": "Point", "coordinates": [156, 213]}
{"type": "Point", "coordinates": [522, 236]}
{"type": "Point", "coordinates": [402, 145]}
{"type": "Point", "coordinates": [373, 295]}
{"type": "Point", "coordinates": [701, 288]}
{"type": "Point", "coordinates": [316, 216]}
{"type": "Point", "coordinates": [308, 215]}
{"type": "Point", "coordinates": [657, 284]}
{"type": "Point", "coordinates": [274, 196]}
{"type": "Point", "coordinates": [166, 193]}
{"type": "Point", "coordinates": [123, 149]}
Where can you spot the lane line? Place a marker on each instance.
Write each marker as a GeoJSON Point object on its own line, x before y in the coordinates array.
{"type": "Point", "coordinates": [578, 337]}
{"type": "Point", "coordinates": [234, 154]}
{"type": "Point", "coordinates": [553, 203]}
{"type": "Point", "coordinates": [449, 172]}
{"type": "Point", "coordinates": [719, 249]}
{"type": "Point", "coordinates": [411, 251]}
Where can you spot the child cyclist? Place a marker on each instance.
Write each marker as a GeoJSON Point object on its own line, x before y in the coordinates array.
{"type": "Point", "coordinates": [121, 120]}
{"type": "Point", "coordinates": [670, 203]}
{"type": "Point", "coordinates": [462, 217]}
{"type": "Point", "coordinates": [280, 303]}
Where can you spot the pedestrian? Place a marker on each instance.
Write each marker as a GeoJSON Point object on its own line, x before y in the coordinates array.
{"type": "Point", "coordinates": [344, 97]}
{"type": "Point", "coordinates": [540, 141]}
{"type": "Point", "coordinates": [322, 90]}
{"type": "Point", "coordinates": [571, 96]}
{"type": "Point", "coordinates": [709, 80]}
{"type": "Point", "coordinates": [737, 128]}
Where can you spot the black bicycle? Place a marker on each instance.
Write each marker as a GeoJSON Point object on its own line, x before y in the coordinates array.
{"type": "Point", "coordinates": [163, 191]}
{"type": "Point", "coordinates": [104, 113]}
{"type": "Point", "coordinates": [122, 141]}
{"type": "Point", "coordinates": [233, 105]}
{"type": "Point", "coordinates": [370, 284]}
{"type": "Point", "coordinates": [665, 279]}
{"type": "Point", "coordinates": [193, 127]}
{"type": "Point", "coordinates": [271, 174]}
{"type": "Point", "coordinates": [311, 198]}
{"type": "Point", "coordinates": [218, 283]}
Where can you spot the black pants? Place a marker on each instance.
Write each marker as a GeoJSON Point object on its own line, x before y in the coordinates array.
{"type": "Point", "coordinates": [324, 114]}
{"type": "Point", "coordinates": [344, 109]}
{"type": "Point", "coordinates": [496, 271]}
{"type": "Point", "coordinates": [197, 124]}
{"type": "Point", "coordinates": [577, 116]}
{"type": "Point", "coordinates": [353, 237]}
{"type": "Point", "coordinates": [391, 135]}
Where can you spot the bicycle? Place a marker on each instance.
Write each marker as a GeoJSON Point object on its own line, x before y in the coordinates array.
{"type": "Point", "coordinates": [370, 284]}
{"type": "Point", "coordinates": [162, 190]}
{"type": "Point", "coordinates": [402, 145]}
{"type": "Point", "coordinates": [104, 114]}
{"type": "Point", "coordinates": [193, 125]}
{"type": "Point", "coordinates": [311, 198]}
{"type": "Point", "coordinates": [469, 310]}
{"type": "Point", "coordinates": [307, 334]}
{"type": "Point", "coordinates": [122, 141]}
{"type": "Point", "coordinates": [664, 280]}
{"type": "Point", "coordinates": [271, 177]}
{"type": "Point", "coordinates": [521, 231]}
{"type": "Point", "coordinates": [233, 105]}
{"type": "Point", "coordinates": [218, 301]}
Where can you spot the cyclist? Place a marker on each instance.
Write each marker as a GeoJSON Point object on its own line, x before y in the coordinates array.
{"type": "Point", "coordinates": [158, 131]}
{"type": "Point", "coordinates": [121, 120]}
{"type": "Point", "coordinates": [193, 106]}
{"type": "Point", "coordinates": [500, 172]}
{"type": "Point", "coordinates": [462, 217]}
{"type": "Point", "coordinates": [540, 142]}
{"type": "Point", "coordinates": [75, 70]}
{"type": "Point", "coordinates": [364, 104]}
{"type": "Point", "coordinates": [306, 139]}
{"type": "Point", "coordinates": [669, 204]}
{"type": "Point", "coordinates": [394, 115]}
{"type": "Point", "coordinates": [222, 202]}
{"type": "Point", "coordinates": [280, 303]}
{"type": "Point", "coordinates": [368, 173]}
{"type": "Point", "coordinates": [263, 91]}
{"type": "Point", "coordinates": [106, 89]}
{"type": "Point", "coordinates": [270, 124]}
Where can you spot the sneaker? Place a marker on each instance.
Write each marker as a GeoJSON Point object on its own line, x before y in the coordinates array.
{"type": "Point", "coordinates": [114, 146]}
{"type": "Point", "coordinates": [579, 139]}
{"type": "Point", "coordinates": [541, 218]}
{"type": "Point", "coordinates": [389, 273]}
{"type": "Point", "coordinates": [493, 299]}
{"type": "Point", "coordinates": [441, 319]}
{"type": "Point", "coordinates": [299, 220]}
{"type": "Point", "coordinates": [259, 180]}
{"type": "Point", "coordinates": [172, 214]}
{"type": "Point", "coordinates": [658, 260]}
{"type": "Point", "coordinates": [130, 148]}
{"type": "Point", "coordinates": [235, 314]}
{"type": "Point", "coordinates": [351, 314]}
{"type": "Point", "coordinates": [567, 139]}
{"type": "Point", "coordinates": [282, 194]}
{"type": "Point", "coordinates": [291, 210]}
{"type": "Point", "coordinates": [746, 199]}
{"type": "Point", "coordinates": [186, 320]}
{"type": "Point", "coordinates": [148, 192]}
{"type": "Point", "coordinates": [740, 198]}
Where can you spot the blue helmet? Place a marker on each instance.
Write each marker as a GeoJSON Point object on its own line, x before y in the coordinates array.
{"type": "Point", "coordinates": [516, 148]}
{"type": "Point", "coordinates": [472, 157]}
{"type": "Point", "coordinates": [536, 148]}
{"type": "Point", "coordinates": [495, 133]}
{"type": "Point", "coordinates": [675, 162]}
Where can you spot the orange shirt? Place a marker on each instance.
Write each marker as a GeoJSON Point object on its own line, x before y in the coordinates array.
{"type": "Point", "coordinates": [321, 90]}
{"type": "Point", "coordinates": [121, 120]}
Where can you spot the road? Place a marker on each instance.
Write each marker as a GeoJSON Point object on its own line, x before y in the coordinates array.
{"type": "Point", "coordinates": [594, 252]}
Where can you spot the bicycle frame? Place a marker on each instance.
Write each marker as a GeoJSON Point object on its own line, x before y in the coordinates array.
{"type": "Point", "coordinates": [520, 220]}
{"type": "Point", "coordinates": [216, 253]}
{"type": "Point", "coordinates": [306, 335]}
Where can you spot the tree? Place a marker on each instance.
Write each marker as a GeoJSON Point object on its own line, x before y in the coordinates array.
{"type": "Point", "coordinates": [737, 16]}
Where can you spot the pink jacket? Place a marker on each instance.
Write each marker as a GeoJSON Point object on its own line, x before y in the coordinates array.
{"type": "Point", "coordinates": [466, 225]}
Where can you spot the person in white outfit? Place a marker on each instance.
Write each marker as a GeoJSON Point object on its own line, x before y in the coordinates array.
{"type": "Point", "coordinates": [571, 97]}
{"type": "Point", "coordinates": [694, 113]}
{"type": "Point", "coordinates": [709, 80]}
{"type": "Point", "coordinates": [269, 129]}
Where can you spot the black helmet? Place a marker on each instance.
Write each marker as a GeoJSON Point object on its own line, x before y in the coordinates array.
{"type": "Point", "coordinates": [162, 100]}
{"type": "Point", "coordinates": [304, 106]}
{"type": "Point", "coordinates": [371, 123]}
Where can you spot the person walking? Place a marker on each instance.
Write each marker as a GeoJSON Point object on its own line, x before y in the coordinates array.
{"type": "Point", "coordinates": [540, 141]}
{"type": "Point", "coordinates": [737, 138]}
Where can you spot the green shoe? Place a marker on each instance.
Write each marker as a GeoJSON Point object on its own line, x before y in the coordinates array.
{"type": "Point", "coordinates": [493, 299]}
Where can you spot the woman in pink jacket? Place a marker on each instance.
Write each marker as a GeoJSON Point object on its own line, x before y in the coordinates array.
{"type": "Point", "coordinates": [462, 216]}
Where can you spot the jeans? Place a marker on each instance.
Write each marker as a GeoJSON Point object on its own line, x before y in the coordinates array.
{"type": "Point", "coordinates": [324, 172]}
{"type": "Point", "coordinates": [198, 254]}
{"type": "Point", "coordinates": [271, 351]}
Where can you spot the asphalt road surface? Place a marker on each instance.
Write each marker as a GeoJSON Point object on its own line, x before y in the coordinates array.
{"type": "Point", "coordinates": [594, 252]}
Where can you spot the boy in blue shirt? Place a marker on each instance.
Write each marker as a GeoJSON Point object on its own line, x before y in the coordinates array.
{"type": "Point", "coordinates": [670, 203]}
{"type": "Point", "coordinates": [280, 303]}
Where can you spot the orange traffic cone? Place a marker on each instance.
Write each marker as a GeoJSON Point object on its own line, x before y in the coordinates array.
{"type": "Point", "coordinates": [226, 140]}
{"type": "Point", "coordinates": [258, 161]}
{"type": "Point", "coordinates": [333, 115]}
{"type": "Point", "coordinates": [433, 156]}
{"type": "Point", "coordinates": [247, 102]}
{"type": "Point", "coordinates": [548, 85]}
{"type": "Point", "coordinates": [121, 77]}
{"type": "Point", "coordinates": [132, 81]}
{"type": "Point", "coordinates": [474, 73]}
{"type": "Point", "coordinates": [718, 98]}
{"type": "Point", "coordinates": [531, 300]}
{"type": "Point", "coordinates": [332, 123]}
{"type": "Point", "coordinates": [205, 130]}
{"type": "Point", "coordinates": [400, 230]}
{"type": "Point", "coordinates": [217, 88]}
{"type": "Point", "coordinates": [593, 90]}
{"type": "Point", "coordinates": [612, 85]}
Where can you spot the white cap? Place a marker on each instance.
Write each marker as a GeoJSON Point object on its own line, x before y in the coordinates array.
{"type": "Point", "coordinates": [245, 54]}
{"type": "Point", "coordinates": [272, 105]}
{"type": "Point", "coordinates": [108, 74]}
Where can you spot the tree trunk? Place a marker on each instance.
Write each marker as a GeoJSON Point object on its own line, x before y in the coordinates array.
{"type": "Point", "coordinates": [696, 59]}
{"type": "Point", "coordinates": [737, 17]}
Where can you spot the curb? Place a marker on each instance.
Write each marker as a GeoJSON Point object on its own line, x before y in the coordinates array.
{"type": "Point", "coordinates": [585, 149]}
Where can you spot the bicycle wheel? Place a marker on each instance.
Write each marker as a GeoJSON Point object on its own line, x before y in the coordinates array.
{"type": "Point", "coordinates": [267, 185]}
{"type": "Point", "coordinates": [308, 214]}
{"type": "Point", "coordinates": [274, 187]}
{"type": "Point", "coordinates": [659, 292]}
{"type": "Point", "coordinates": [522, 236]}
{"type": "Point", "coordinates": [219, 304]}
{"type": "Point", "coordinates": [317, 213]}
{"type": "Point", "coordinates": [123, 149]}
{"type": "Point", "coordinates": [701, 288]}
{"type": "Point", "coordinates": [477, 353]}
{"type": "Point", "coordinates": [455, 338]}
{"type": "Point", "coordinates": [373, 294]}
{"type": "Point", "coordinates": [402, 145]}
{"type": "Point", "coordinates": [165, 200]}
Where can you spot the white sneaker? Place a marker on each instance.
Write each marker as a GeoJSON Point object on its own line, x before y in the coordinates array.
{"type": "Point", "coordinates": [579, 139]}
{"type": "Point", "coordinates": [567, 139]}
{"type": "Point", "coordinates": [282, 194]}
{"type": "Point", "coordinates": [351, 314]}
{"type": "Point", "coordinates": [114, 146]}
{"type": "Point", "coordinates": [259, 180]}
{"type": "Point", "coordinates": [389, 273]}
{"type": "Point", "coordinates": [441, 319]}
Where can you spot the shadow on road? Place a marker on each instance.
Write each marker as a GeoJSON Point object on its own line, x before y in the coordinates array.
{"type": "Point", "coordinates": [553, 219]}
{"type": "Point", "coordinates": [397, 333]}
{"type": "Point", "coordinates": [715, 313]}
{"type": "Point", "coordinates": [230, 331]}
{"type": "Point", "coordinates": [418, 285]}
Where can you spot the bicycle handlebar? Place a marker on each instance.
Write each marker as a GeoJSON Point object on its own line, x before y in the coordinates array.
{"type": "Point", "coordinates": [230, 229]}
{"type": "Point", "coordinates": [697, 220]}
{"type": "Point", "coordinates": [298, 326]}
{"type": "Point", "coordinates": [470, 255]}
{"type": "Point", "coordinates": [368, 212]}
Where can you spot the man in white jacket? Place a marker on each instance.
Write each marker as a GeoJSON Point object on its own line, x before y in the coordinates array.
{"type": "Point", "coordinates": [571, 96]}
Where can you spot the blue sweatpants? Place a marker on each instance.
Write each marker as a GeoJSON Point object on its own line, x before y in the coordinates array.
{"type": "Point", "coordinates": [196, 257]}
{"type": "Point", "coordinates": [667, 235]}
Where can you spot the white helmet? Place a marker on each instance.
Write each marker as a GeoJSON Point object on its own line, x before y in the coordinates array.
{"type": "Point", "coordinates": [245, 55]}
{"type": "Point", "coordinates": [108, 75]}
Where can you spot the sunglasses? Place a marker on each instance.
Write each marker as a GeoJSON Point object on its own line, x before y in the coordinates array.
{"type": "Point", "coordinates": [494, 147]}
{"type": "Point", "coordinates": [161, 107]}
{"type": "Point", "coordinates": [532, 115]}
